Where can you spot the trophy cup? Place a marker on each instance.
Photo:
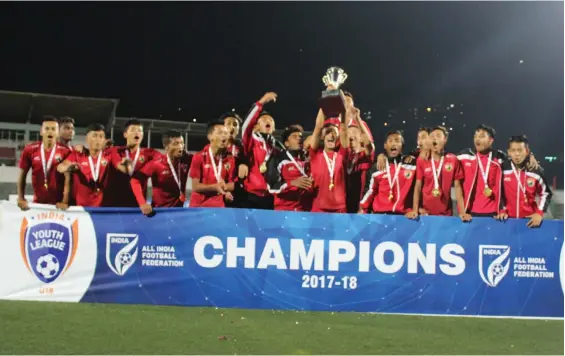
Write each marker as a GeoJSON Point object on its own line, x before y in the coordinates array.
{"type": "Point", "coordinates": [331, 102]}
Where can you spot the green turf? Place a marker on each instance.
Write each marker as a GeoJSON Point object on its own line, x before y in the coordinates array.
{"type": "Point", "coordinates": [61, 328]}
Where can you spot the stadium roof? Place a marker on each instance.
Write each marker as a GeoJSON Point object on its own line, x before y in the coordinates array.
{"type": "Point", "coordinates": [19, 107]}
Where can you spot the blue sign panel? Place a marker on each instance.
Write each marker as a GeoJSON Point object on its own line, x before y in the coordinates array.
{"type": "Point", "coordinates": [335, 262]}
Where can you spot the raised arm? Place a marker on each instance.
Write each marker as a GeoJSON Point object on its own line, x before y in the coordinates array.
{"type": "Point", "coordinates": [251, 120]}
{"type": "Point", "coordinates": [343, 136]}
{"type": "Point", "coordinates": [317, 134]}
{"type": "Point", "coordinates": [367, 136]}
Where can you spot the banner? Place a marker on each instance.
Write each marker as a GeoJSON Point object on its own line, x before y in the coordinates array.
{"type": "Point", "coordinates": [239, 258]}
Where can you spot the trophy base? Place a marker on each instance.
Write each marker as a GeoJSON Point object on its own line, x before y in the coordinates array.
{"type": "Point", "coordinates": [332, 103]}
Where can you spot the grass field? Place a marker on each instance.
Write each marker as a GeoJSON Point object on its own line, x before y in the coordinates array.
{"type": "Point", "coordinates": [60, 328]}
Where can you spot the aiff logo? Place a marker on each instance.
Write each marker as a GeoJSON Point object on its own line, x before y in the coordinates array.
{"type": "Point", "coordinates": [494, 263]}
{"type": "Point", "coordinates": [121, 252]}
{"type": "Point", "coordinates": [48, 244]}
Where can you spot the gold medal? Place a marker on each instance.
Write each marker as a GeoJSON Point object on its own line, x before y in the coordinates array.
{"type": "Point", "coordinates": [390, 196]}
{"type": "Point", "coordinates": [332, 185]}
{"type": "Point", "coordinates": [263, 168]}
{"type": "Point", "coordinates": [436, 193]}
{"type": "Point", "coordinates": [97, 190]}
{"type": "Point", "coordinates": [45, 185]}
{"type": "Point", "coordinates": [487, 192]}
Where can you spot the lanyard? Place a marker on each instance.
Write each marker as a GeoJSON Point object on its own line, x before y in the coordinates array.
{"type": "Point", "coordinates": [521, 187]}
{"type": "Point", "coordinates": [436, 172]}
{"type": "Point", "coordinates": [298, 166]}
{"type": "Point", "coordinates": [95, 172]}
{"type": "Point", "coordinates": [47, 164]}
{"type": "Point", "coordinates": [217, 169]}
{"type": "Point", "coordinates": [134, 160]}
{"type": "Point", "coordinates": [484, 173]}
{"type": "Point", "coordinates": [174, 173]}
{"type": "Point", "coordinates": [266, 148]}
{"type": "Point", "coordinates": [392, 181]}
{"type": "Point", "coordinates": [331, 165]}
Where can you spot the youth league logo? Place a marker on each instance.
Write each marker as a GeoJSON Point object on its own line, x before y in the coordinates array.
{"type": "Point", "coordinates": [494, 263]}
{"type": "Point", "coordinates": [121, 252]}
{"type": "Point", "coordinates": [48, 244]}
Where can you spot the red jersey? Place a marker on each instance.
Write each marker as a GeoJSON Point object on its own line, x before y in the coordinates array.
{"type": "Point", "coordinates": [236, 150]}
{"type": "Point", "coordinates": [520, 189]}
{"type": "Point", "coordinates": [123, 195]}
{"type": "Point", "coordinates": [326, 199]}
{"type": "Point", "coordinates": [31, 158]}
{"type": "Point", "coordinates": [282, 170]}
{"type": "Point", "coordinates": [164, 181]}
{"type": "Point", "coordinates": [258, 148]}
{"type": "Point", "coordinates": [204, 170]}
{"type": "Point", "coordinates": [382, 197]}
{"type": "Point", "coordinates": [358, 165]}
{"type": "Point", "coordinates": [93, 178]}
{"type": "Point", "coordinates": [450, 171]}
{"type": "Point", "coordinates": [474, 187]}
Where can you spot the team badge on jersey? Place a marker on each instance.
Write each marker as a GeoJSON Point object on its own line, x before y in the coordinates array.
{"type": "Point", "coordinates": [448, 167]}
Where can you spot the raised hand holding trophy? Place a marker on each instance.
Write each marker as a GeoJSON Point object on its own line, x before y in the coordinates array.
{"type": "Point", "coordinates": [331, 101]}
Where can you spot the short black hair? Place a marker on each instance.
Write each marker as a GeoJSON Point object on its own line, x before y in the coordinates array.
{"type": "Point", "coordinates": [519, 139]}
{"type": "Point", "coordinates": [346, 93]}
{"type": "Point", "coordinates": [395, 132]}
{"type": "Point", "coordinates": [491, 131]}
{"type": "Point", "coordinates": [132, 122]}
{"type": "Point", "coordinates": [212, 124]}
{"type": "Point", "coordinates": [290, 130]}
{"type": "Point", "coordinates": [95, 127]}
{"type": "Point", "coordinates": [233, 114]}
{"type": "Point", "coordinates": [265, 113]}
{"type": "Point", "coordinates": [425, 128]}
{"type": "Point", "coordinates": [442, 129]}
{"type": "Point", "coordinates": [66, 120]}
{"type": "Point", "coordinates": [49, 118]}
{"type": "Point", "coordinates": [167, 136]}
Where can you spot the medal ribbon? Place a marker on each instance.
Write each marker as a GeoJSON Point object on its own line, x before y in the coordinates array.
{"type": "Point", "coordinates": [521, 187]}
{"type": "Point", "coordinates": [217, 169]}
{"type": "Point", "coordinates": [392, 181]}
{"type": "Point", "coordinates": [436, 172]}
{"type": "Point", "coordinates": [483, 173]}
{"type": "Point", "coordinates": [95, 172]}
{"type": "Point", "coordinates": [47, 165]}
{"type": "Point", "coordinates": [174, 173]}
{"type": "Point", "coordinates": [266, 148]}
{"type": "Point", "coordinates": [331, 165]}
{"type": "Point", "coordinates": [134, 160]}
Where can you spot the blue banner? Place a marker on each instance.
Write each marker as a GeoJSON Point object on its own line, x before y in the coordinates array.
{"type": "Point", "coordinates": [301, 261]}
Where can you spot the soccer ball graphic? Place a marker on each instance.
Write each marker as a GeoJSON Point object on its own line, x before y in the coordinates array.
{"type": "Point", "coordinates": [497, 269]}
{"type": "Point", "coordinates": [125, 258]}
{"type": "Point", "coordinates": [47, 266]}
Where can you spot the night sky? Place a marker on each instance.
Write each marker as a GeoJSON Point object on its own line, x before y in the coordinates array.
{"type": "Point", "coordinates": [208, 58]}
